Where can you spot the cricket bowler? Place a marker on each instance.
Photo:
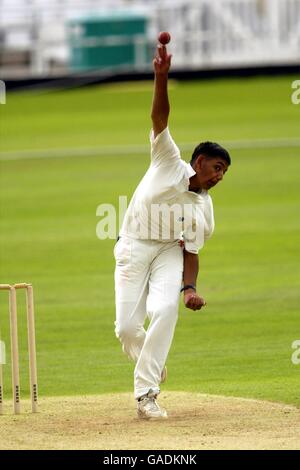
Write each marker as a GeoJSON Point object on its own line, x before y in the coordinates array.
{"type": "Point", "coordinates": [168, 220]}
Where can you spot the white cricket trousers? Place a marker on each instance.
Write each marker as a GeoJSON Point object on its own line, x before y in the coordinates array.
{"type": "Point", "coordinates": [148, 279]}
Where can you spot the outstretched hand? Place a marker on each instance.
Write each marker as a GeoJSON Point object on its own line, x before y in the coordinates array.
{"type": "Point", "coordinates": [162, 60]}
{"type": "Point", "coordinates": [193, 301]}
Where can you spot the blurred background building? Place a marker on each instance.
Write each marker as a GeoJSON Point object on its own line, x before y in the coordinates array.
{"type": "Point", "coordinates": [58, 37]}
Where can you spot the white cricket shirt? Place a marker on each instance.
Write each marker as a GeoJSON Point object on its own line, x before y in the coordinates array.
{"type": "Point", "coordinates": [162, 207]}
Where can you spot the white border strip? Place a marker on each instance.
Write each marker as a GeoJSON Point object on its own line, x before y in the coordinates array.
{"type": "Point", "coordinates": [2, 353]}
{"type": "Point", "coordinates": [139, 149]}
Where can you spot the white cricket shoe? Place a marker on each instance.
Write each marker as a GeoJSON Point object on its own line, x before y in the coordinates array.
{"type": "Point", "coordinates": [164, 375]}
{"type": "Point", "coordinates": [148, 408]}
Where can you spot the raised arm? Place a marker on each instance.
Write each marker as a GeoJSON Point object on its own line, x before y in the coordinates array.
{"type": "Point", "coordinates": [160, 104]}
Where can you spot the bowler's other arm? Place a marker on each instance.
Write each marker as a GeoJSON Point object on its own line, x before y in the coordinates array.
{"type": "Point", "coordinates": [190, 272]}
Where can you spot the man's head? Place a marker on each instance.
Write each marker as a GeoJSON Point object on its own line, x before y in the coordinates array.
{"type": "Point", "coordinates": [210, 162]}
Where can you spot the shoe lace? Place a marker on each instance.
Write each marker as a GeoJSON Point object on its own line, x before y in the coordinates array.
{"type": "Point", "coordinates": [150, 400]}
{"type": "Point", "coordinates": [152, 403]}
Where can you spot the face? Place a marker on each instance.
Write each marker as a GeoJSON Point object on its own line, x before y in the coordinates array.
{"type": "Point", "coordinates": [210, 171]}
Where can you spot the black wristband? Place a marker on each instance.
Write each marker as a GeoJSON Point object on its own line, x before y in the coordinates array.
{"type": "Point", "coordinates": [189, 286]}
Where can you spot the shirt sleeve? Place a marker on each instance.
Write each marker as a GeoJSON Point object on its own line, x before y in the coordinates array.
{"type": "Point", "coordinates": [209, 219]}
{"type": "Point", "coordinates": [193, 239]}
{"type": "Point", "coordinates": [163, 148]}
{"type": "Point", "coordinates": [200, 228]}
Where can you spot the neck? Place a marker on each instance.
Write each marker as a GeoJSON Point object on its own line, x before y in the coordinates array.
{"type": "Point", "coordinates": [194, 185]}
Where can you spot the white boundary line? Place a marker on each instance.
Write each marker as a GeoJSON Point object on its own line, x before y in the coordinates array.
{"type": "Point", "coordinates": [139, 149]}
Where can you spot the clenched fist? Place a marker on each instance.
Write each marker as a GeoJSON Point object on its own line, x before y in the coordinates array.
{"type": "Point", "coordinates": [193, 300]}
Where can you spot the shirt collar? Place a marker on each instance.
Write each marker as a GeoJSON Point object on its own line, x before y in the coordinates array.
{"type": "Point", "coordinates": [190, 170]}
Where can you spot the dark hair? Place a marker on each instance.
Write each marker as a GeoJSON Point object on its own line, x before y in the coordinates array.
{"type": "Point", "coordinates": [211, 149]}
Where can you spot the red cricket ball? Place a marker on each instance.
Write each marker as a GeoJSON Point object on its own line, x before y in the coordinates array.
{"type": "Point", "coordinates": [164, 37]}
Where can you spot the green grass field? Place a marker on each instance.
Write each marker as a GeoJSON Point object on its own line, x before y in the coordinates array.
{"type": "Point", "coordinates": [240, 345]}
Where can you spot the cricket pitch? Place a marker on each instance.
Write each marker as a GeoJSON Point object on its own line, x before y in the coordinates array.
{"type": "Point", "coordinates": [109, 422]}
